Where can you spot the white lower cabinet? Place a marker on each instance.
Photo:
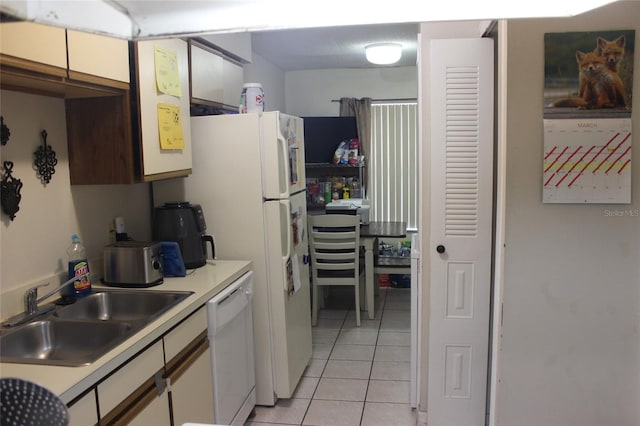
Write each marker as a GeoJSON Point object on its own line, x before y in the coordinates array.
{"type": "Point", "coordinates": [192, 392]}
{"type": "Point", "coordinates": [84, 411]}
{"type": "Point", "coordinates": [132, 392]}
{"type": "Point", "coordinates": [147, 390]}
{"type": "Point", "coordinates": [156, 413]}
{"type": "Point", "coordinates": [188, 370]}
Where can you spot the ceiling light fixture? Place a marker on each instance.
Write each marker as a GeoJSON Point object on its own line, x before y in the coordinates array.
{"type": "Point", "coordinates": [383, 53]}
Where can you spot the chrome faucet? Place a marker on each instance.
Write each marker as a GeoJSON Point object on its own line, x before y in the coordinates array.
{"type": "Point", "coordinates": [31, 302]}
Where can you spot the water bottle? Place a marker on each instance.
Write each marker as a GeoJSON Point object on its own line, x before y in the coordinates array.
{"type": "Point", "coordinates": [78, 265]}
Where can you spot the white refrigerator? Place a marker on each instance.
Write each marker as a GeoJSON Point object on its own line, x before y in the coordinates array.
{"type": "Point", "coordinates": [248, 176]}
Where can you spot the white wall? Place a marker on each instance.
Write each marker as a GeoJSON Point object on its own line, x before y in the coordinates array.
{"type": "Point", "coordinates": [34, 244]}
{"type": "Point", "coordinates": [272, 79]}
{"type": "Point", "coordinates": [571, 326]}
{"type": "Point", "coordinates": [309, 93]}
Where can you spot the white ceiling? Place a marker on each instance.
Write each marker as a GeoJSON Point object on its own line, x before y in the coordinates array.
{"type": "Point", "coordinates": [333, 47]}
{"type": "Point", "coordinates": [320, 34]}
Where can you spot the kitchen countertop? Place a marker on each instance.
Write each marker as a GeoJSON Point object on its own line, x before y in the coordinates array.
{"type": "Point", "coordinates": [70, 382]}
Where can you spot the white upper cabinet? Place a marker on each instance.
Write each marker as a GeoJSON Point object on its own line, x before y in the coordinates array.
{"type": "Point", "coordinates": [214, 78]}
{"type": "Point", "coordinates": [233, 82]}
{"type": "Point", "coordinates": [98, 55]}
{"type": "Point", "coordinates": [206, 75]}
{"type": "Point", "coordinates": [164, 63]}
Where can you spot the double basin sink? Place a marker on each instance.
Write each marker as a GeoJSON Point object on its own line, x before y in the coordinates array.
{"type": "Point", "coordinates": [80, 333]}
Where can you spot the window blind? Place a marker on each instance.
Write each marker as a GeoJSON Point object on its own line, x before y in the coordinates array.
{"type": "Point", "coordinates": [393, 163]}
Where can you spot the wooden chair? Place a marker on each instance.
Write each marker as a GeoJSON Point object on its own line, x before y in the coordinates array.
{"type": "Point", "coordinates": [335, 256]}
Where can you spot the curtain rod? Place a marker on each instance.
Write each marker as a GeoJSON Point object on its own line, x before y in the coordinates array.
{"type": "Point", "coordinates": [386, 100]}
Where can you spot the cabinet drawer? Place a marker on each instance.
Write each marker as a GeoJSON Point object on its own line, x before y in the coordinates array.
{"type": "Point", "coordinates": [178, 338]}
{"type": "Point", "coordinates": [133, 374]}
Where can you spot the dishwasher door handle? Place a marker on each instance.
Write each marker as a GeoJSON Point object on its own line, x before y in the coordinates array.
{"type": "Point", "coordinates": [224, 307]}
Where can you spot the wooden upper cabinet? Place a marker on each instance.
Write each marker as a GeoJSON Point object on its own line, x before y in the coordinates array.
{"type": "Point", "coordinates": [160, 161]}
{"type": "Point", "coordinates": [92, 55]}
{"type": "Point", "coordinates": [35, 47]}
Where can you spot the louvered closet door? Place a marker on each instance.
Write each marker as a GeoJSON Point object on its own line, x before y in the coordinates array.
{"type": "Point", "coordinates": [461, 81]}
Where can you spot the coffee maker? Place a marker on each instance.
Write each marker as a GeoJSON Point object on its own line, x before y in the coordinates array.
{"type": "Point", "coordinates": [183, 223]}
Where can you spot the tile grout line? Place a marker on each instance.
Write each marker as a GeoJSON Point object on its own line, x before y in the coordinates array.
{"type": "Point", "coordinates": [364, 403]}
{"type": "Point", "coordinates": [333, 345]}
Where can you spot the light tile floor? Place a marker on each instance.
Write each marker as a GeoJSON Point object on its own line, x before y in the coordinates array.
{"type": "Point", "coordinates": [357, 375]}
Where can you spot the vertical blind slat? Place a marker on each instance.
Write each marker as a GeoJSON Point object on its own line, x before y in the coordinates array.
{"type": "Point", "coordinates": [394, 163]}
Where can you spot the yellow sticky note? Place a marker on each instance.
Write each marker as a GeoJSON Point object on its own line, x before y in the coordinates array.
{"type": "Point", "coordinates": [167, 75]}
{"type": "Point", "coordinates": [170, 126]}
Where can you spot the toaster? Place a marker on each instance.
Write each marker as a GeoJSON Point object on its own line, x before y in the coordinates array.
{"type": "Point", "coordinates": [133, 264]}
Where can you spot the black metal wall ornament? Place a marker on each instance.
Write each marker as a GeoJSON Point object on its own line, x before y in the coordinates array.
{"type": "Point", "coordinates": [10, 191]}
{"type": "Point", "coordinates": [45, 160]}
{"type": "Point", "coordinates": [4, 132]}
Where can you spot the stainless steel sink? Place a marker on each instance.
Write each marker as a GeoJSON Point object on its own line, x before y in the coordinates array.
{"type": "Point", "coordinates": [68, 343]}
{"type": "Point", "coordinates": [122, 305]}
{"type": "Point", "coordinates": [80, 333]}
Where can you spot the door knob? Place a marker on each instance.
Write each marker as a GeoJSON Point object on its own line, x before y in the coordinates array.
{"type": "Point", "coordinates": [440, 249]}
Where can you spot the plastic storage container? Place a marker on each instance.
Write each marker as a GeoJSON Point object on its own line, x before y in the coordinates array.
{"type": "Point", "coordinates": [78, 265]}
{"type": "Point", "coordinates": [252, 98]}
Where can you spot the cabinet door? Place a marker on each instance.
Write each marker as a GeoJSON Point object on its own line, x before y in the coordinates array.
{"type": "Point", "coordinates": [44, 46]}
{"type": "Point", "coordinates": [84, 411]}
{"type": "Point", "coordinates": [206, 75]}
{"type": "Point", "coordinates": [98, 55]}
{"type": "Point", "coordinates": [156, 159]}
{"type": "Point", "coordinates": [156, 413]}
{"type": "Point", "coordinates": [233, 82]}
{"type": "Point", "coordinates": [192, 392]}
{"type": "Point", "coordinates": [130, 377]}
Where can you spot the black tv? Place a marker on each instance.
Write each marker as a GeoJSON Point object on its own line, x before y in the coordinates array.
{"type": "Point", "coordinates": [322, 135]}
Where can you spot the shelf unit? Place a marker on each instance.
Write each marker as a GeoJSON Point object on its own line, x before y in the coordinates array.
{"type": "Point", "coordinates": [318, 174]}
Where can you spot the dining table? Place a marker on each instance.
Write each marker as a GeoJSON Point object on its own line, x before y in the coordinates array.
{"type": "Point", "coordinates": [369, 235]}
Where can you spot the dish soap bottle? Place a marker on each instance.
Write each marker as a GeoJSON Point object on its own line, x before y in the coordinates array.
{"type": "Point", "coordinates": [78, 265]}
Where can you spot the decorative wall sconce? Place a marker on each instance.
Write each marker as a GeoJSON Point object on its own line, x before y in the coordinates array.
{"type": "Point", "coordinates": [10, 191]}
{"type": "Point", "coordinates": [4, 133]}
{"type": "Point", "coordinates": [45, 160]}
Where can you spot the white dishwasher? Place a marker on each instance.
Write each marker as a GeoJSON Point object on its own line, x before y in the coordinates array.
{"type": "Point", "coordinates": [230, 330]}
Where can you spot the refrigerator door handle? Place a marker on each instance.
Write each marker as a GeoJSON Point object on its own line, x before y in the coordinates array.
{"type": "Point", "coordinates": [283, 145]}
{"type": "Point", "coordinates": [287, 254]}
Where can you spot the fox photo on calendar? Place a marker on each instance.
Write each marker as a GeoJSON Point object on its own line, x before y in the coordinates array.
{"type": "Point", "coordinates": [588, 74]}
